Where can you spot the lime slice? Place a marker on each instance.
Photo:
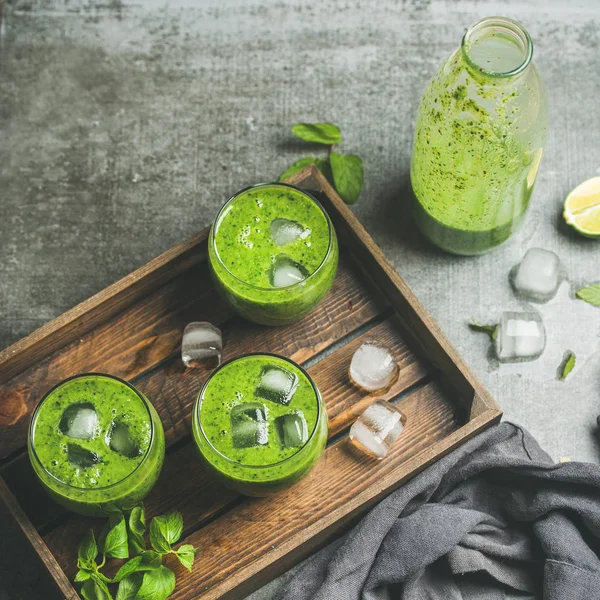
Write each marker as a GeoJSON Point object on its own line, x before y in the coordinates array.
{"type": "Point", "coordinates": [582, 208]}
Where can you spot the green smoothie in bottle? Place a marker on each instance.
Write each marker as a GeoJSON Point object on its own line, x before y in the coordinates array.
{"type": "Point", "coordinates": [479, 140]}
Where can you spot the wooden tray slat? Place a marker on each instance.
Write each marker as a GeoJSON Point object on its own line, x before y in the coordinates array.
{"type": "Point", "coordinates": [133, 328]}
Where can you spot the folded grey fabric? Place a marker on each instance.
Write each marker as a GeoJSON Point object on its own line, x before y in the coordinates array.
{"type": "Point", "coordinates": [494, 519]}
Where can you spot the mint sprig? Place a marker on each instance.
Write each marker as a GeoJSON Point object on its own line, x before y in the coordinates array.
{"type": "Point", "coordinates": [344, 171]}
{"type": "Point", "coordinates": [142, 577]}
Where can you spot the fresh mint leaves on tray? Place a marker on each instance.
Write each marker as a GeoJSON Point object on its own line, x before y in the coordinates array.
{"type": "Point", "coordinates": [142, 577]}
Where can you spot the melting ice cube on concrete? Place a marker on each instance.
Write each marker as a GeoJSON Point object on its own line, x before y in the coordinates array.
{"type": "Point", "coordinates": [521, 336]}
{"type": "Point", "coordinates": [373, 367]}
{"type": "Point", "coordinates": [537, 276]}
{"type": "Point", "coordinates": [377, 429]}
{"type": "Point", "coordinates": [201, 345]}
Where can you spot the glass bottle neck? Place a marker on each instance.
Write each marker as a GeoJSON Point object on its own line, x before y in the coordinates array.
{"type": "Point", "coordinates": [497, 47]}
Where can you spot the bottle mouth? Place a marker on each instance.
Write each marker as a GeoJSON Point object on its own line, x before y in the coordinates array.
{"type": "Point", "coordinates": [497, 47]}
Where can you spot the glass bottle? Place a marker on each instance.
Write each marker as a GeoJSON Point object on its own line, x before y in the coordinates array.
{"type": "Point", "coordinates": [479, 139]}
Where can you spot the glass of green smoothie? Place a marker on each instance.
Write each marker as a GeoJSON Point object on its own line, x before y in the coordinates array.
{"type": "Point", "coordinates": [273, 253]}
{"type": "Point", "coordinates": [260, 423]}
{"type": "Point", "coordinates": [96, 444]}
{"type": "Point", "coordinates": [479, 139]}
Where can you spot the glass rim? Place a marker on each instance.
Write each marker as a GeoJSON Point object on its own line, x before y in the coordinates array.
{"type": "Point", "coordinates": [32, 424]}
{"type": "Point", "coordinates": [517, 32]}
{"type": "Point", "coordinates": [213, 237]}
{"type": "Point", "coordinates": [198, 407]}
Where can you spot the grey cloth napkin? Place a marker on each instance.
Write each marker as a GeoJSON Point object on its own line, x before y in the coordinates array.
{"type": "Point", "coordinates": [494, 519]}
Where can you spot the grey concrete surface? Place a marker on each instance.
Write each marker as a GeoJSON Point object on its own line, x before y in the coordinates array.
{"type": "Point", "coordinates": [124, 126]}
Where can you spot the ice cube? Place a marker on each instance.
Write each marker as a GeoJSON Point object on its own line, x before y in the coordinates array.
{"type": "Point", "coordinates": [537, 276]}
{"type": "Point", "coordinates": [277, 384]}
{"type": "Point", "coordinates": [249, 425]}
{"type": "Point", "coordinates": [121, 442]}
{"type": "Point", "coordinates": [284, 231]}
{"type": "Point", "coordinates": [521, 336]}
{"type": "Point", "coordinates": [377, 428]}
{"type": "Point", "coordinates": [201, 345]}
{"type": "Point", "coordinates": [79, 421]}
{"type": "Point", "coordinates": [285, 272]}
{"type": "Point", "coordinates": [373, 367]}
{"type": "Point", "coordinates": [292, 429]}
{"type": "Point", "coordinates": [81, 457]}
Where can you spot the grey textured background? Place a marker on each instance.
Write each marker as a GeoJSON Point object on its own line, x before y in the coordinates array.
{"type": "Point", "coordinates": [124, 126]}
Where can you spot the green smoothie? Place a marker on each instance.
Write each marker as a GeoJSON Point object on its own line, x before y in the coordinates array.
{"type": "Point", "coordinates": [260, 423]}
{"type": "Point", "coordinates": [478, 142]}
{"type": "Point", "coordinates": [273, 253]}
{"type": "Point", "coordinates": [96, 444]}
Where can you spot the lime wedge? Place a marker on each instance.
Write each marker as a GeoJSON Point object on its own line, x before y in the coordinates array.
{"type": "Point", "coordinates": [582, 208]}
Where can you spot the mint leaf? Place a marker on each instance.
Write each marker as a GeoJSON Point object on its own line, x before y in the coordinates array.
{"type": "Point", "coordinates": [491, 330]}
{"type": "Point", "coordinates": [95, 590]}
{"type": "Point", "coordinates": [129, 587]}
{"type": "Point", "coordinates": [320, 163]}
{"type": "Point", "coordinates": [347, 170]}
{"type": "Point", "coordinates": [567, 365]}
{"type": "Point", "coordinates": [165, 530]}
{"type": "Point", "coordinates": [137, 528]}
{"type": "Point", "coordinates": [147, 561]}
{"type": "Point", "coordinates": [186, 554]}
{"type": "Point", "coordinates": [82, 575]}
{"type": "Point", "coordinates": [88, 551]}
{"type": "Point", "coordinates": [156, 585]}
{"type": "Point", "coordinates": [158, 539]}
{"type": "Point", "coordinates": [591, 294]}
{"type": "Point", "coordinates": [113, 539]}
{"type": "Point", "coordinates": [320, 133]}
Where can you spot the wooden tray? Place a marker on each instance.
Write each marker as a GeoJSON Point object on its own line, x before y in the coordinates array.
{"type": "Point", "coordinates": [133, 329]}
